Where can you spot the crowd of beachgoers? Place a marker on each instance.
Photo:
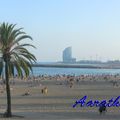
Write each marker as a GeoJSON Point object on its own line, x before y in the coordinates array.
{"type": "Point", "coordinates": [69, 80]}
{"type": "Point", "coordinates": [77, 78]}
{"type": "Point", "coordinates": [72, 79]}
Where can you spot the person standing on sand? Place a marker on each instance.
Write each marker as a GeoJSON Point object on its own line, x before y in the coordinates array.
{"type": "Point", "coordinates": [44, 90]}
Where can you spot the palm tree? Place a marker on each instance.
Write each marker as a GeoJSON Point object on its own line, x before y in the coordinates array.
{"type": "Point", "coordinates": [14, 55]}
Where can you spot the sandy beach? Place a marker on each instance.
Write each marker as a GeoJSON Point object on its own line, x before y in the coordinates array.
{"type": "Point", "coordinates": [57, 103]}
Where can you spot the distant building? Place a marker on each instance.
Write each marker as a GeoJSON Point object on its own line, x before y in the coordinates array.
{"type": "Point", "coordinates": [67, 55]}
{"type": "Point", "coordinates": [89, 62]}
{"type": "Point", "coordinates": [113, 62]}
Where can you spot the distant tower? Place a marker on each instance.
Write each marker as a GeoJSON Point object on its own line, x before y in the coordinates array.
{"type": "Point", "coordinates": [67, 55]}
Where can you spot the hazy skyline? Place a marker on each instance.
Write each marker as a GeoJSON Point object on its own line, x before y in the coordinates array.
{"type": "Point", "coordinates": [91, 27]}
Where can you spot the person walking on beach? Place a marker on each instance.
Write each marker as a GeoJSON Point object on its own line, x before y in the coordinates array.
{"type": "Point", "coordinates": [102, 109]}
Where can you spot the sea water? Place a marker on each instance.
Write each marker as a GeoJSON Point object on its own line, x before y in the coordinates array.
{"type": "Point", "coordinates": [72, 71]}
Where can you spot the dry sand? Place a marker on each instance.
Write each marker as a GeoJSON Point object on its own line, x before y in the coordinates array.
{"type": "Point", "coordinates": [57, 104]}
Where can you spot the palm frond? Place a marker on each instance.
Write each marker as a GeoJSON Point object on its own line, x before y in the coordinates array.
{"type": "Point", "coordinates": [19, 57]}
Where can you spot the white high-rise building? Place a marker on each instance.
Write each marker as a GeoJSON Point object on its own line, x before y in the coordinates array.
{"type": "Point", "coordinates": [67, 55]}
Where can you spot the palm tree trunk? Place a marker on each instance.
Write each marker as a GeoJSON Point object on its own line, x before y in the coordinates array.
{"type": "Point", "coordinates": [8, 112]}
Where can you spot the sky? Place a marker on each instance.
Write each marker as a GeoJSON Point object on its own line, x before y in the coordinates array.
{"type": "Point", "coordinates": [90, 27]}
